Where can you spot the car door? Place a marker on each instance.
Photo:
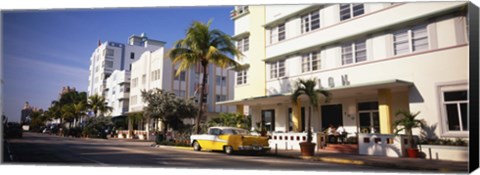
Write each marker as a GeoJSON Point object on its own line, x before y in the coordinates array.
{"type": "Point", "coordinates": [220, 139]}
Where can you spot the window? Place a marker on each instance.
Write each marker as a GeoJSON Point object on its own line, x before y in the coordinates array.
{"type": "Point", "coordinates": [220, 97]}
{"type": "Point", "coordinates": [180, 93]}
{"type": "Point", "coordinates": [277, 33]}
{"type": "Point", "coordinates": [221, 80]}
{"type": "Point", "coordinates": [348, 11]}
{"type": "Point", "coordinates": [132, 55]}
{"type": "Point", "coordinates": [155, 75]}
{"type": "Point", "coordinates": [454, 105]}
{"type": "Point", "coordinates": [243, 44]}
{"type": "Point", "coordinates": [144, 79]}
{"type": "Point", "coordinates": [133, 100]}
{"type": "Point", "coordinates": [134, 82]}
{"type": "Point", "coordinates": [410, 40]}
{"type": "Point", "coordinates": [242, 77]}
{"type": "Point", "coordinates": [277, 69]}
{"type": "Point", "coordinates": [310, 21]}
{"type": "Point", "coordinates": [281, 32]}
{"type": "Point", "coordinates": [180, 77]}
{"type": "Point", "coordinates": [241, 9]}
{"type": "Point", "coordinates": [354, 52]}
{"type": "Point", "coordinates": [311, 61]}
{"type": "Point", "coordinates": [109, 52]}
{"type": "Point", "coordinates": [109, 64]}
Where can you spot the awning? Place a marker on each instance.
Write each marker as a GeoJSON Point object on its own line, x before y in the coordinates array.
{"type": "Point", "coordinates": [370, 88]}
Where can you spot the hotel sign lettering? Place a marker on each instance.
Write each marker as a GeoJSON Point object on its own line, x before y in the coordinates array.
{"type": "Point", "coordinates": [331, 81]}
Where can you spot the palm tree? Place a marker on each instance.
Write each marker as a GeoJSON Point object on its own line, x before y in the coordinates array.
{"type": "Point", "coordinates": [307, 88]}
{"type": "Point", "coordinates": [408, 122]}
{"type": "Point", "coordinates": [79, 111]}
{"type": "Point", "coordinates": [203, 46]}
{"type": "Point", "coordinates": [97, 104]}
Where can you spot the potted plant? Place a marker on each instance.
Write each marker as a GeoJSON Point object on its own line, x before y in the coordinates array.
{"type": "Point", "coordinates": [407, 123]}
{"type": "Point", "coordinates": [307, 88]}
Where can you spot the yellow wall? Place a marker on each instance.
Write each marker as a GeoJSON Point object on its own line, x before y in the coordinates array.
{"type": "Point", "coordinates": [384, 110]}
{"type": "Point", "coordinates": [256, 73]}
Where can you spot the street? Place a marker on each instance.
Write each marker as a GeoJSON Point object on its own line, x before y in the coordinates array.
{"type": "Point", "coordinates": [42, 149]}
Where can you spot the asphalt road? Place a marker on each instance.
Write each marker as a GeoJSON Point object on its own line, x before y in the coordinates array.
{"type": "Point", "coordinates": [41, 149]}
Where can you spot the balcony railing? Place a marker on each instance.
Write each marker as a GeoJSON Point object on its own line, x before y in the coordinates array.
{"type": "Point", "coordinates": [238, 12]}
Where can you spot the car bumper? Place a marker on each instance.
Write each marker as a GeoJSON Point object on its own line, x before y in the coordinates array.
{"type": "Point", "coordinates": [253, 148]}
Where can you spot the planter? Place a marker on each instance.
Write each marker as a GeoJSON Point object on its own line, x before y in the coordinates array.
{"type": "Point", "coordinates": [307, 148]}
{"type": "Point", "coordinates": [445, 152]}
{"type": "Point", "coordinates": [412, 152]}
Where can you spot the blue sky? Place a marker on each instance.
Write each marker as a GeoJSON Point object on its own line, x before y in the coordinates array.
{"type": "Point", "coordinates": [44, 50]}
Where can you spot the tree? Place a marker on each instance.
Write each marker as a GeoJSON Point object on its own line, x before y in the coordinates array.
{"type": "Point", "coordinates": [98, 105]}
{"type": "Point", "coordinates": [95, 127]}
{"type": "Point", "coordinates": [203, 46]}
{"type": "Point", "coordinates": [232, 120]}
{"type": "Point", "coordinates": [407, 123]}
{"type": "Point", "coordinates": [167, 108]}
{"type": "Point", "coordinates": [69, 107]}
{"type": "Point", "coordinates": [38, 120]}
{"type": "Point", "coordinates": [307, 88]}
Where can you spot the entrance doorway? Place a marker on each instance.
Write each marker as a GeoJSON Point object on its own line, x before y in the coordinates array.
{"type": "Point", "coordinates": [331, 114]}
{"type": "Point", "coordinates": [268, 119]}
{"type": "Point", "coordinates": [302, 119]}
{"type": "Point", "coordinates": [368, 117]}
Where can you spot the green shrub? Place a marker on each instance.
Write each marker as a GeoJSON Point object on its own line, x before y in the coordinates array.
{"type": "Point", "coordinates": [446, 141]}
{"type": "Point", "coordinates": [95, 127]}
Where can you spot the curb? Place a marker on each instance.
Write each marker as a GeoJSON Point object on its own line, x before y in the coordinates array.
{"type": "Point", "coordinates": [340, 161]}
{"type": "Point", "coordinates": [172, 147]}
{"type": "Point", "coordinates": [360, 162]}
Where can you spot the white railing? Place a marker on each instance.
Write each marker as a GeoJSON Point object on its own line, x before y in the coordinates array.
{"type": "Point", "coordinates": [291, 140]}
{"type": "Point", "coordinates": [389, 145]}
{"type": "Point", "coordinates": [124, 134]}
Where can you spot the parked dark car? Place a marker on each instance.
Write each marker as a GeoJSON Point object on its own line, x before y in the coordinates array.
{"type": "Point", "coordinates": [13, 130]}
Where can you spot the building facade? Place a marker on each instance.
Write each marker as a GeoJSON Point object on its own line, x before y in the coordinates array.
{"type": "Point", "coordinates": [110, 56]}
{"type": "Point", "coordinates": [118, 92]}
{"type": "Point", "coordinates": [155, 70]}
{"type": "Point", "coordinates": [374, 58]}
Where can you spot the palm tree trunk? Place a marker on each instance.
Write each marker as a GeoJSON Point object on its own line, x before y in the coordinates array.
{"type": "Point", "coordinates": [410, 137]}
{"type": "Point", "coordinates": [130, 126]}
{"type": "Point", "coordinates": [202, 96]}
{"type": "Point", "coordinates": [309, 132]}
{"type": "Point", "coordinates": [164, 130]}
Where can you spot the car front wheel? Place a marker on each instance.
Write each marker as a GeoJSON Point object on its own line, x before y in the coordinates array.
{"type": "Point", "coordinates": [196, 146]}
{"type": "Point", "coordinates": [228, 150]}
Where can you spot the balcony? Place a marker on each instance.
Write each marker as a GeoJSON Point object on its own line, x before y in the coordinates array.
{"type": "Point", "coordinates": [238, 12]}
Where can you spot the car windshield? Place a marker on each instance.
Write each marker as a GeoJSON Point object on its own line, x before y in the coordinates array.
{"type": "Point", "coordinates": [235, 131]}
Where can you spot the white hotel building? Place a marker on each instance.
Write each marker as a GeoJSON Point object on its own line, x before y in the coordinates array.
{"type": "Point", "coordinates": [154, 69]}
{"type": "Point", "coordinates": [374, 58]}
{"type": "Point", "coordinates": [118, 92]}
{"type": "Point", "coordinates": [110, 56]}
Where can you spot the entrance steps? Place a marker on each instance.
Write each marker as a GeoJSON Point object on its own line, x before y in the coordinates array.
{"type": "Point", "coordinates": [340, 148]}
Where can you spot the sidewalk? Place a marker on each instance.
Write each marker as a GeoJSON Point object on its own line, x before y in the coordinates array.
{"type": "Point", "coordinates": [353, 159]}
{"type": "Point", "coordinates": [379, 161]}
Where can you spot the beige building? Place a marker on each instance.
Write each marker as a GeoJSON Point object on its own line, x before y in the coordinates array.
{"type": "Point", "coordinates": [375, 59]}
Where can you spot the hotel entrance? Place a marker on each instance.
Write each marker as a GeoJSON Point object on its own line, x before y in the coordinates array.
{"type": "Point", "coordinates": [331, 114]}
{"type": "Point", "coordinates": [368, 117]}
{"type": "Point", "coordinates": [268, 120]}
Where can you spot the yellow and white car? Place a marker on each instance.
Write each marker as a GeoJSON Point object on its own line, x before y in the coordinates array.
{"type": "Point", "coordinates": [229, 140]}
